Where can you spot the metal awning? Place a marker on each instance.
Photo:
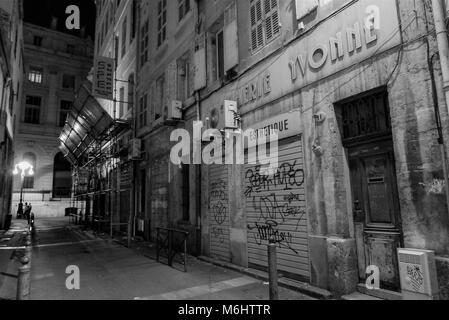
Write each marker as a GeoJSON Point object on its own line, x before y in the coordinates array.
{"type": "Point", "coordinates": [86, 124]}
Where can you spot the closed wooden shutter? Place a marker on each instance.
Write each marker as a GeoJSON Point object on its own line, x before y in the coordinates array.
{"type": "Point", "coordinates": [219, 219]}
{"type": "Point", "coordinates": [256, 16]}
{"type": "Point", "coordinates": [276, 206]}
{"type": "Point", "coordinates": [231, 47]}
{"type": "Point", "coordinates": [271, 19]}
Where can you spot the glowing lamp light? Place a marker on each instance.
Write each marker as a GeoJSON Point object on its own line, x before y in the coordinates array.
{"type": "Point", "coordinates": [22, 168]}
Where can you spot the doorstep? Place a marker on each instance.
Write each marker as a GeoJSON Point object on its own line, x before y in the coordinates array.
{"type": "Point", "coordinates": [379, 293]}
{"type": "Point", "coordinates": [357, 296]}
{"type": "Point", "coordinates": [291, 284]}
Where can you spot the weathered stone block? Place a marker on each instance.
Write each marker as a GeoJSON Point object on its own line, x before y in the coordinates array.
{"type": "Point", "coordinates": [318, 261]}
{"type": "Point", "coordinates": [442, 265]}
{"type": "Point", "coordinates": [342, 261]}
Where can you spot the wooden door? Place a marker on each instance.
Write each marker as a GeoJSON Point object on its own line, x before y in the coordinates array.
{"type": "Point", "coordinates": [376, 210]}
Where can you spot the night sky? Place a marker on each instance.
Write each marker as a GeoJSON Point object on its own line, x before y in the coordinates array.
{"type": "Point", "coordinates": [40, 12]}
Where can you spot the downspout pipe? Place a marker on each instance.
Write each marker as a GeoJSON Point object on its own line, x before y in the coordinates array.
{"type": "Point", "coordinates": [443, 44]}
{"type": "Point", "coordinates": [438, 9]}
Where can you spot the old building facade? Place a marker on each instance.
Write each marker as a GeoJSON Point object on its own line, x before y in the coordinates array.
{"type": "Point", "coordinates": [348, 86]}
{"type": "Point", "coordinates": [55, 65]}
{"type": "Point", "coordinates": [354, 91]}
{"type": "Point", "coordinates": [11, 38]}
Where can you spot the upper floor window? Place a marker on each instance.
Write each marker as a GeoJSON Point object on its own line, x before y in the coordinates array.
{"type": "Point", "coordinates": [37, 41]}
{"type": "Point", "coordinates": [64, 111]}
{"type": "Point", "coordinates": [160, 98]}
{"type": "Point", "coordinates": [36, 75]}
{"type": "Point", "coordinates": [144, 43]}
{"type": "Point", "coordinates": [219, 38]}
{"type": "Point", "coordinates": [121, 102]}
{"type": "Point", "coordinates": [28, 182]}
{"type": "Point", "coordinates": [33, 109]}
{"type": "Point", "coordinates": [161, 22]}
{"type": "Point", "coordinates": [264, 16]}
{"type": "Point", "coordinates": [68, 82]}
{"type": "Point", "coordinates": [143, 110]}
{"type": "Point", "coordinates": [124, 37]}
{"type": "Point", "coordinates": [183, 8]}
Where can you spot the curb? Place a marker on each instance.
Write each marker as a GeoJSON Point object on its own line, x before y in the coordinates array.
{"type": "Point", "coordinates": [311, 291]}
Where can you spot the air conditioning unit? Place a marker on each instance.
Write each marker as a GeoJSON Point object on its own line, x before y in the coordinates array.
{"type": "Point", "coordinates": [135, 149]}
{"type": "Point", "coordinates": [223, 117]}
{"type": "Point", "coordinates": [173, 111]}
{"type": "Point", "coordinates": [418, 274]}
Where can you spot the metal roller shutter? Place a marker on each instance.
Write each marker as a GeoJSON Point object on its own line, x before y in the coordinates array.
{"type": "Point", "coordinates": [219, 220]}
{"type": "Point", "coordinates": [276, 206]}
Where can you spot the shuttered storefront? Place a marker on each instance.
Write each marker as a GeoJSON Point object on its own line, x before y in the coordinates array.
{"type": "Point", "coordinates": [159, 194]}
{"type": "Point", "coordinates": [219, 219]}
{"type": "Point", "coordinates": [276, 207]}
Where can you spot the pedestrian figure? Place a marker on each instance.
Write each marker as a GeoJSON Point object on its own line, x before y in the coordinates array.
{"type": "Point", "coordinates": [28, 212]}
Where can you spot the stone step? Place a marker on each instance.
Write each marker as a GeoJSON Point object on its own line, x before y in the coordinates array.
{"type": "Point", "coordinates": [359, 296]}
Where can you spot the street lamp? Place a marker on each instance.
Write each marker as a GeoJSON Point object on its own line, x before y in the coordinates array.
{"type": "Point", "coordinates": [22, 168]}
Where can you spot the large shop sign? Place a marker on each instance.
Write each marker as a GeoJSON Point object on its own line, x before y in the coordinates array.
{"type": "Point", "coordinates": [355, 34]}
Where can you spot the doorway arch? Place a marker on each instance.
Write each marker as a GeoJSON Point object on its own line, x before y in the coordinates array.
{"type": "Point", "coordinates": [62, 177]}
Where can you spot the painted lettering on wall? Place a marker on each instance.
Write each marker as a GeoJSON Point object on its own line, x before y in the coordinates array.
{"type": "Point", "coordinates": [344, 43]}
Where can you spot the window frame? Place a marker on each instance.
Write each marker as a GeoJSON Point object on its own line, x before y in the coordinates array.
{"type": "Point", "coordinates": [162, 17]}
{"type": "Point", "coordinates": [34, 74]}
{"type": "Point", "coordinates": [184, 8]}
{"type": "Point", "coordinates": [63, 81]}
{"type": "Point", "coordinates": [35, 117]}
{"type": "Point", "coordinates": [61, 122]}
{"type": "Point", "coordinates": [263, 22]}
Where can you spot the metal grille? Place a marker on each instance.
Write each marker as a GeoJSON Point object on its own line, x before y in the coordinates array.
{"type": "Point", "coordinates": [366, 116]}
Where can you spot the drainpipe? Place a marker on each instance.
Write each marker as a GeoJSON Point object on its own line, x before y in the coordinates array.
{"type": "Point", "coordinates": [443, 49]}
{"type": "Point", "coordinates": [443, 43]}
{"type": "Point", "coordinates": [199, 168]}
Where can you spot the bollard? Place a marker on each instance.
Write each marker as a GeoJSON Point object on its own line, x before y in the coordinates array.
{"type": "Point", "coordinates": [129, 235]}
{"type": "Point", "coordinates": [24, 283]}
{"type": "Point", "coordinates": [272, 270]}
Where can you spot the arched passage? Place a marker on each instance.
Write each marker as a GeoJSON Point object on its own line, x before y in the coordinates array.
{"type": "Point", "coordinates": [62, 177]}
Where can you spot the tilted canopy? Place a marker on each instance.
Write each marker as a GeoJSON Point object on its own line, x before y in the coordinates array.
{"type": "Point", "coordinates": [86, 124]}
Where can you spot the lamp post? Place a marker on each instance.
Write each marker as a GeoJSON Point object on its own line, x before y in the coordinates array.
{"type": "Point", "coordinates": [22, 168]}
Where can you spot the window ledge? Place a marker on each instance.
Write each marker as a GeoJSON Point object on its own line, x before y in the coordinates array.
{"type": "Point", "coordinates": [183, 22]}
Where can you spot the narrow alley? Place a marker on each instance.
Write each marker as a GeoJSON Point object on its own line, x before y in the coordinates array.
{"type": "Point", "coordinates": [109, 271]}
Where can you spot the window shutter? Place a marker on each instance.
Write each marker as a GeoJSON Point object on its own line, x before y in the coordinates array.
{"type": "Point", "coordinates": [231, 43]}
{"type": "Point", "coordinates": [257, 36]}
{"type": "Point", "coordinates": [304, 7]}
{"type": "Point", "coordinates": [199, 64]}
{"type": "Point", "coordinates": [271, 19]}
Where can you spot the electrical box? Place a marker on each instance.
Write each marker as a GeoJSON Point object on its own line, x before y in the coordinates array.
{"type": "Point", "coordinates": [418, 274]}
{"type": "Point", "coordinates": [173, 111]}
{"type": "Point", "coordinates": [135, 149]}
{"type": "Point", "coordinates": [224, 117]}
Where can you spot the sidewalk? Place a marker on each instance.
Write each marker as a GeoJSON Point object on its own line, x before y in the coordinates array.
{"type": "Point", "coordinates": [11, 250]}
{"type": "Point", "coordinates": [110, 271]}
{"type": "Point", "coordinates": [149, 250]}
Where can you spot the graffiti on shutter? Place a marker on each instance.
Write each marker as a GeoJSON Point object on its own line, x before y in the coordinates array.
{"type": "Point", "coordinates": [276, 207]}
{"type": "Point", "coordinates": [219, 215]}
{"type": "Point", "coordinates": [159, 194]}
